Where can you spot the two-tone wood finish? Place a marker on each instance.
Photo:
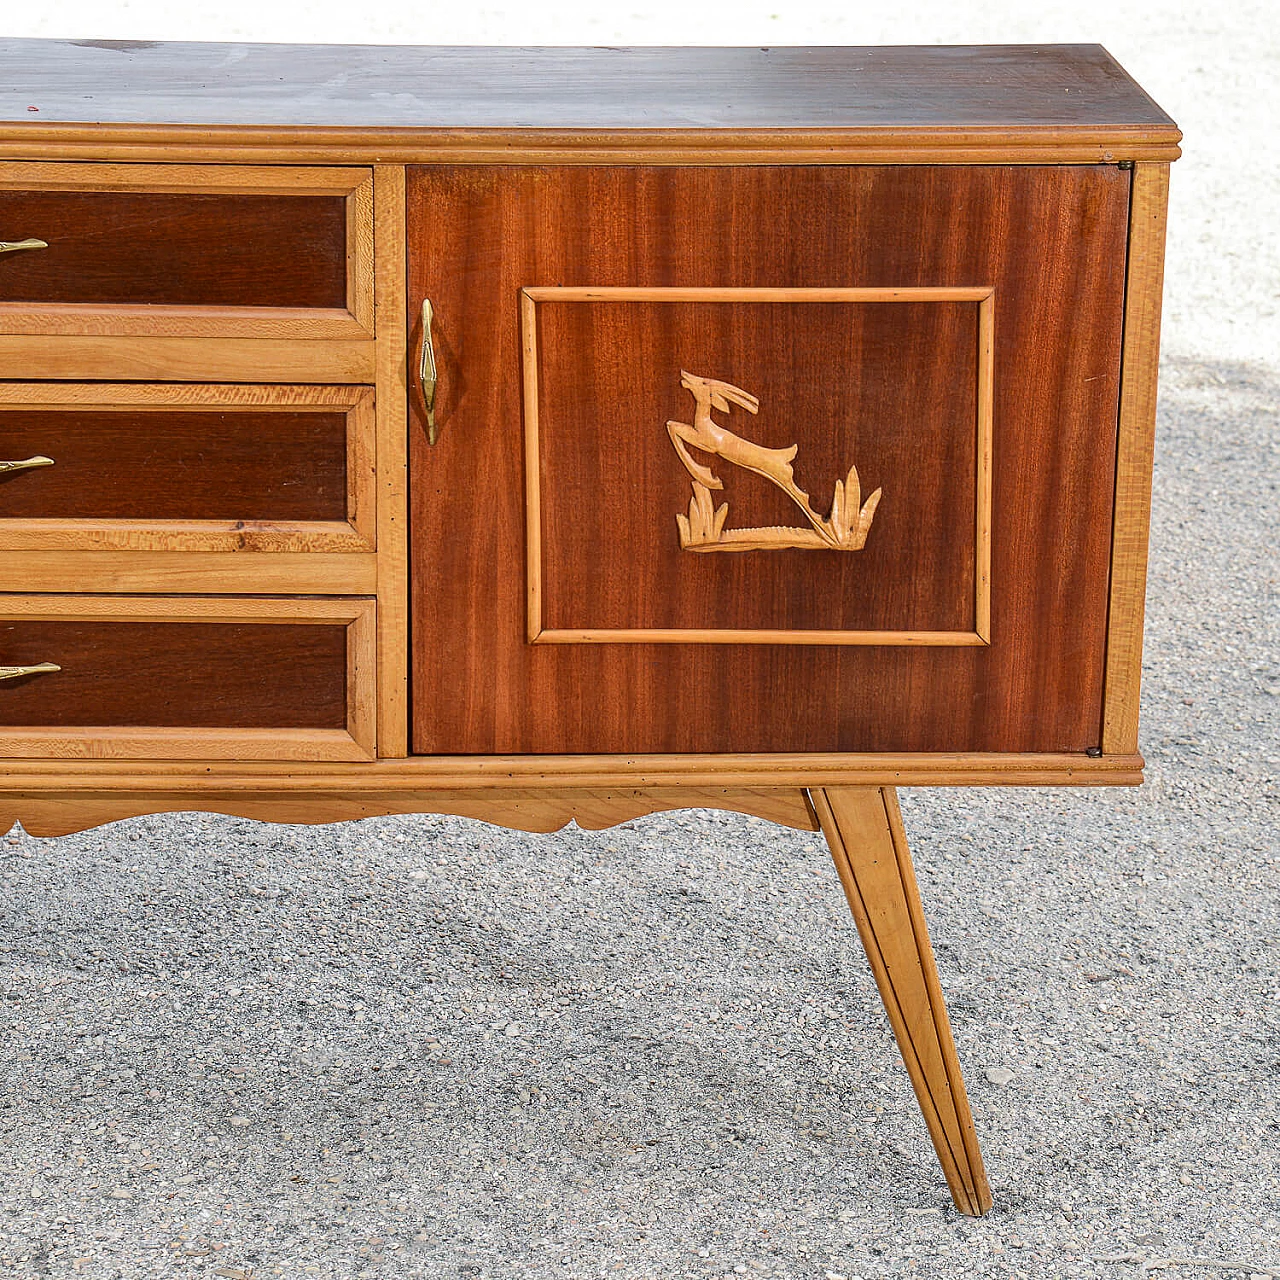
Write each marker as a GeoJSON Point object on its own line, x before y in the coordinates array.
{"type": "Point", "coordinates": [611, 558]}
{"type": "Point", "coordinates": [848, 382]}
{"type": "Point", "coordinates": [188, 251]}
{"type": "Point", "coordinates": [203, 467]}
{"type": "Point", "coordinates": [939, 618]}
{"type": "Point", "coordinates": [260, 273]}
{"type": "Point", "coordinates": [177, 678]}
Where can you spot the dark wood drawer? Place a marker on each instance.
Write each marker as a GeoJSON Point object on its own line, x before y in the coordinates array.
{"type": "Point", "coordinates": [186, 468]}
{"type": "Point", "coordinates": [186, 678]}
{"type": "Point", "coordinates": [186, 250]}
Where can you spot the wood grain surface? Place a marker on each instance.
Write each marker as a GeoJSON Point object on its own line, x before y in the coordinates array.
{"type": "Point", "coordinates": [147, 248]}
{"type": "Point", "coordinates": [889, 387]}
{"type": "Point", "coordinates": [175, 674]}
{"type": "Point", "coordinates": [176, 464]}
{"type": "Point", "coordinates": [147, 81]}
{"type": "Point", "coordinates": [1049, 241]}
{"type": "Point", "coordinates": [868, 844]}
{"type": "Point", "coordinates": [1143, 297]}
{"type": "Point", "coordinates": [78, 807]}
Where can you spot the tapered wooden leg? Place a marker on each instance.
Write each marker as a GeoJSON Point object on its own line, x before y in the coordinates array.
{"type": "Point", "coordinates": [863, 826]}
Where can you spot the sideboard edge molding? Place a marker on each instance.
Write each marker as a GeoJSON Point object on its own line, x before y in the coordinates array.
{"type": "Point", "coordinates": [447, 773]}
{"type": "Point", "coordinates": [337, 145]}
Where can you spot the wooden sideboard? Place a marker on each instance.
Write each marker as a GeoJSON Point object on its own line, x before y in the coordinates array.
{"type": "Point", "coordinates": [537, 435]}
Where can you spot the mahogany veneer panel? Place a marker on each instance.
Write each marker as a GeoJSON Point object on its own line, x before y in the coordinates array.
{"type": "Point", "coordinates": [1050, 242]}
{"type": "Point", "coordinates": [180, 674]}
{"type": "Point", "coordinates": [175, 249]}
{"type": "Point", "coordinates": [890, 387]}
{"type": "Point", "coordinates": [175, 464]}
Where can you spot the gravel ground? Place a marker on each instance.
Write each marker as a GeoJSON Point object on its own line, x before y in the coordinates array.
{"type": "Point", "coordinates": [425, 1047]}
{"type": "Point", "coordinates": [428, 1047]}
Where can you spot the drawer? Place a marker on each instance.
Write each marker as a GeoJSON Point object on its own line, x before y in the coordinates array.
{"type": "Point", "coordinates": [186, 251]}
{"type": "Point", "coordinates": [117, 677]}
{"type": "Point", "coordinates": [186, 468]}
{"type": "Point", "coordinates": [841, 480]}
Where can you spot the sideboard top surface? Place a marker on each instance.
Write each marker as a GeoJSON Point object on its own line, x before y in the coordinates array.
{"type": "Point", "coordinates": [1011, 88]}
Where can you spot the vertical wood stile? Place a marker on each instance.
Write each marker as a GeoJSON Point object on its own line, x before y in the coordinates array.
{"type": "Point", "coordinates": [392, 418]}
{"type": "Point", "coordinates": [1144, 283]}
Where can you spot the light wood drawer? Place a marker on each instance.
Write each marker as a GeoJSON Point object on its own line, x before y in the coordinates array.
{"type": "Point", "coordinates": [186, 250]}
{"type": "Point", "coordinates": [186, 468]}
{"type": "Point", "coordinates": [186, 678]}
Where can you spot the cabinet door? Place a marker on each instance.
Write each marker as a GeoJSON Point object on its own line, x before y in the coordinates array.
{"type": "Point", "coordinates": [764, 459]}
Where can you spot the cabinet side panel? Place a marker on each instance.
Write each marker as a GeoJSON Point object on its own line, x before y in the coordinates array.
{"type": "Point", "coordinates": [1135, 457]}
{"type": "Point", "coordinates": [1049, 243]}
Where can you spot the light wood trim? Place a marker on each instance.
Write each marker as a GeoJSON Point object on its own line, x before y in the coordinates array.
{"type": "Point", "coordinates": [266, 144]}
{"type": "Point", "coordinates": [718, 293]}
{"type": "Point", "coordinates": [182, 178]}
{"type": "Point", "coordinates": [223, 609]}
{"type": "Point", "coordinates": [143, 359]}
{"type": "Point", "coordinates": [711, 635]}
{"type": "Point", "coordinates": [353, 322]}
{"type": "Point", "coordinates": [863, 827]}
{"type": "Point", "coordinates": [1135, 449]}
{"type": "Point", "coordinates": [357, 534]}
{"type": "Point", "coordinates": [983, 295]}
{"type": "Point", "coordinates": [106, 320]}
{"type": "Point", "coordinates": [77, 810]}
{"type": "Point", "coordinates": [532, 467]}
{"type": "Point", "coordinates": [98, 742]}
{"type": "Point", "coordinates": [362, 469]}
{"type": "Point", "coordinates": [215, 536]}
{"type": "Point", "coordinates": [362, 680]}
{"type": "Point", "coordinates": [360, 251]}
{"type": "Point", "coordinates": [983, 469]}
{"type": "Point", "coordinates": [255, 572]}
{"type": "Point", "coordinates": [189, 395]}
{"type": "Point", "coordinates": [423, 773]}
{"type": "Point", "coordinates": [392, 464]}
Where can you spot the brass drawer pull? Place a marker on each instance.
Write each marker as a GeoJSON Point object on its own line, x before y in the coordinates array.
{"type": "Point", "coordinates": [16, 246]}
{"type": "Point", "coordinates": [12, 673]}
{"type": "Point", "coordinates": [427, 373]}
{"type": "Point", "coordinates": [27, 464]}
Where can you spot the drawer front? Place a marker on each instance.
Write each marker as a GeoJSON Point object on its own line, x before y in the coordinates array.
{"type": "Point", "coordinates": [765, 459]}
{"type": "Point", "coordinates": [188, 678]}
{"type": "Point", "coordinates": [194, 468]}
{"type": "Point", "coordinates": [179, 250]}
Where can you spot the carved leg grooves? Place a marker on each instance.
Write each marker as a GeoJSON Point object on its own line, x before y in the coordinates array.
{"type": "Point", "coordinates": [863, 826]}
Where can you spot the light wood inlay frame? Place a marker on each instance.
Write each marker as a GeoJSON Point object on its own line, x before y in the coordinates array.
{"type": "Point", "coordinates": [356, 534]}
{"type": "Point", "coordinates": [103, 320]}
{"type": "Point", "coordinates": [538, 633]}
{"type": "Point", "coordinates": [103, 742]}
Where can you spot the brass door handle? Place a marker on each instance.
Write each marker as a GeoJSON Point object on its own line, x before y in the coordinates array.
{"type": "Point", "coordinates": [16, 246]}
{"type": "Point", "coordinates": [26, 464]}
{"type": "Point", "coordinates": [427, 373]}
{"type": "Point", "coordinates": [12, 673]}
